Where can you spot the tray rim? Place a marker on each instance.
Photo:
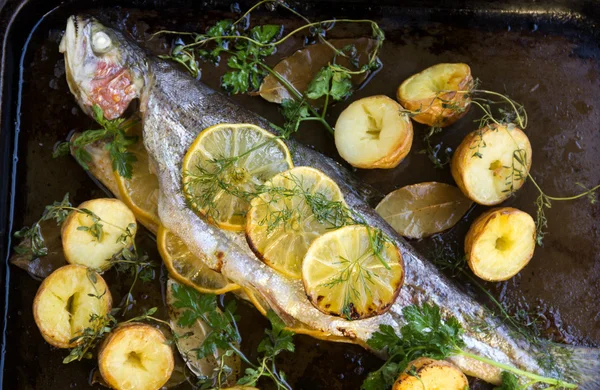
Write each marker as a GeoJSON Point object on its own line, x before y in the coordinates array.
{"type": "Point", "coordinates": [584, 14]}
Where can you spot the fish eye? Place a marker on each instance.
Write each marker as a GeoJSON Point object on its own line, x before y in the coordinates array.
{"type": "Point", "coordinates": [101, 42]}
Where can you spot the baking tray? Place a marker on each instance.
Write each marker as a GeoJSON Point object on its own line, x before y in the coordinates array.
{"type": "Point", "coordinates": [542, 53]}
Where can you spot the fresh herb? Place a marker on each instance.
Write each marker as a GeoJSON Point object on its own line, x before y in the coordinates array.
{"type": "Point", "coordinates": [427, 334]}
{"type": "Point", "coordinates": [434, 152]}
{"type": "Point", "coordinates": [225, 336]}
{"type": "Point", "coordinates": [90, 337]}
{"type": "Point", "coordinates": [509, 382]}
{"type": "Point", "coordinates": [277, 340]}
{"type": "Point", "coordinates": [32, 243]}
{"type": "Point", "coordinates": [248, 48]}
{"type": "Point", "coordinates": [114, 132]}
{"type": "Point", "coordinates": [136, 266]}
{"type": "Point", "coordinates": [100, 326]}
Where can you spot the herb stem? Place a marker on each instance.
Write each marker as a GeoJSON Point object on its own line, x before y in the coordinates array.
{"type": "Point", "coordinates": [562, 198]}
{"type": "Point", "coordinates": [517, 371]}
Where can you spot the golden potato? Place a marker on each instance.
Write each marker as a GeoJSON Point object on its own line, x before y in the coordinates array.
{"type": "Point", "coordinates": [431, 375]}
{"type": "Point", "coordinates": [500, 242]}
{"type": "Point", "coordinates": [492, 163]}
{"type": "Point", "coordinates": [62, 305]}
{"type": "Point", "coordinates": [373, 133]}
{"type": "Point", "coordinates": [136, 356]}
{"type": "Point", "coordinates": [81, 247]}
{"type": "Point", "coordinates": [433, 93]}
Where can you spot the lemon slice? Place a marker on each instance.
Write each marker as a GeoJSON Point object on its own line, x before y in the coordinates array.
{"type": "Point", "coordinates": [282, 223]}
{"type": "Point", "coordinates": [223, 168]}
{"type": "Point", "coordinates": [344, 277]}
{"type": "Point", "coordinates": [188, 269]}
{"type": "Point", "coordinates": [140, 193]}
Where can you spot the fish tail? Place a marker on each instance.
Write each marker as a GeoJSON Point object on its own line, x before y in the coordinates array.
{"type": "Point", "coordinates": [578, 364]}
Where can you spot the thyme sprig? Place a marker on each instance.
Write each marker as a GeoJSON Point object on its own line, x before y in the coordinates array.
{"type": "Point", "coordinates": [521, 323]}
{"type": "Point", "coordinates": [114, 132]}
{"type": "Point", "coordinates": [127, 261]}
{"type": "Point", "coordinates": [32, 244]}
{"type": "Point", "coordinates": [427, 334]}
{"type": "Point", "coordinates": [510, 113]}
{"type": "Point", "coordinates": [99, 327]}
{"type": "Point", "coordinates": [225, 336]}
{"type": "Point", "coordinates": [247, 48]}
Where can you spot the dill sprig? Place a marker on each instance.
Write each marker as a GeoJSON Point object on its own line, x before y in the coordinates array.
{"type": "Point", "coordinates": [247, 49]}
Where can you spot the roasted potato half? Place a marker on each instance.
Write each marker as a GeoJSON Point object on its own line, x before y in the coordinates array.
{"type": "Point", "coordinates": [136, 356]}
{"type": "Point", "coordinates": [373, 133]}
{"type": "Point", "coordinates": [500, 242]}
{"type": "Point", "coordinates": [82, 247]}
{"type": "Point", "coordinates": [438, 94]}
{"type": "Point", "coordinates": [425, 373]}
{"type": "Point", "coordinates": [492, 163]}
{"type": "Point", "coordinates": [65, 301]}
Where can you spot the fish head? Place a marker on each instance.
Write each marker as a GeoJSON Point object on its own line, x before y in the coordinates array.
{"type": "Point", "coordinates": [103, 67]}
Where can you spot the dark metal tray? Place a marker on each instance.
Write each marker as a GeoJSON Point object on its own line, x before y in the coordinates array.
{"type": "Point", "coordinates": [542, 53]}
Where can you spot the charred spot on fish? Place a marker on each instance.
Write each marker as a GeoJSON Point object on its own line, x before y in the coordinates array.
{"type": "Point", "coordinates": [320, 298]}
{"type": "Point", "coordinates": [347, 333]}
{"type": "Point", "coordinates": [327, 306]}
{"type": "Point", "coordinates": [219, 255]}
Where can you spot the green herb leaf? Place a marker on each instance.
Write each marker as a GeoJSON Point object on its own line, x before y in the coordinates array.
{"type": "Point", "coordinates": [266, 33]}
{"type": "Point", "coordinates": [509, 382]}
{"type": "Point", "coordinates": [61, 150]}
{"type": "Point", "coordinates": [320, 85]}
{"type": "Point", "coordinates": [341, 85]}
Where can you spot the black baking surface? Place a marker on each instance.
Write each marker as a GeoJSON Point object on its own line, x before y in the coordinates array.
{"type": "Point", "coordinates": [547, 61]}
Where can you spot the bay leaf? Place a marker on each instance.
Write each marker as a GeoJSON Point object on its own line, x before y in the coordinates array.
{"type": "Point", "coordinates": [420, 210]}
{"type": "Point", "coordinates": [40, 267]}
{"type": "Point", "coordinates": [301, 67]}
{"type": "Point", "coordinates": [189, 338]}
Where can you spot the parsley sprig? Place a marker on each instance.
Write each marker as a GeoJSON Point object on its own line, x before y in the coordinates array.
{"type": "Point", "coordinates": [114, 132]}
{"type": "Point", "coordinates": [427, 334]}
{"type": "Point", "coordinates": [247, 49]}
{"type": "Point", "coordinates": [225, 336]}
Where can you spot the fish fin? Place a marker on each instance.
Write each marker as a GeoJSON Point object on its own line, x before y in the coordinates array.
{"type": "Point", "coordinates": [579, 364]}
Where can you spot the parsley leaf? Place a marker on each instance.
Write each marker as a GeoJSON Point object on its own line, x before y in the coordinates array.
{"type": "Point", "coordinates": [425, 334]}
{"type": "Point", "coordinates": [114, 132]}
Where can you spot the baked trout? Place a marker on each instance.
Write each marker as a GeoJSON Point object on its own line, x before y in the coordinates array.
{"type": "Point", "coordinates": [103, 68]}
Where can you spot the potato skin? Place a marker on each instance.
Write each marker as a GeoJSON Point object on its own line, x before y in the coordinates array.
{"type": "Point", "coordinates": [462, 155]}
{"type": "Point", "coordinates": [423, 367]}
{"type": "Point", "coordinates": [477, 229]}
{"type": "Point", "coordinates": [50, 338]}
{"type": "Point", "coordinates": [434, 114]}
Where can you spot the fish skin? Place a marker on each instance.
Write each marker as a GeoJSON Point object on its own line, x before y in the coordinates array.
{"type": "Point", "coordinates": [176, 107]}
